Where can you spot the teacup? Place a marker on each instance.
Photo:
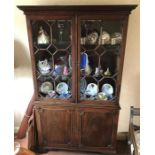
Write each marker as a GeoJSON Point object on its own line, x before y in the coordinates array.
{"type": "Point", "coordinates": [102, 96]}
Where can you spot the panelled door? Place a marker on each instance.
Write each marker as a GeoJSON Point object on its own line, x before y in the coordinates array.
{"type": "Point", "coordinates": [97, 128]}
{"type": "Point", "coordinates": [53, 127]}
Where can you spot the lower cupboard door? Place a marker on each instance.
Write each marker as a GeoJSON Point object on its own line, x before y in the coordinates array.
{"type": "Point", "coordinates": [98, 128]}
{"type": "Point", "coordinates": [53, 127]}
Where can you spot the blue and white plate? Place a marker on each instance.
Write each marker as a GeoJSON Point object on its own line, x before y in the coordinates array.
{"type": "Point", "coordinates": [58, 70]}
{"type": "Point", "coordinates": [92, 89]}
{"type": "Point", "coordinates": [62, 88]}
{"type": "Point", "coordinates": [107, 89]}
{"type": "Point", "coordinates": [83, 85]}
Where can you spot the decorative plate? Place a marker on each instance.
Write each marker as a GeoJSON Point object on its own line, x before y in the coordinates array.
{"type": "Point", "coordinates": [83, 85]}
{"type": "Point", "coordinates": [46, 87]}
{"type": "Point", "coordinates": [62, 88]}
{"type": "Point", "coordinates": [105, 37]}
{"type": "Point", "coordinates": [92, 89]}
{"type": "Point", "coordinates": [70, 61]}
{"type": "Point", "coordinates": [58, 70]}
{"type": "Point", "coordinates": [107, 89]}
{"type": "Point", "coordinates": [92, 38]}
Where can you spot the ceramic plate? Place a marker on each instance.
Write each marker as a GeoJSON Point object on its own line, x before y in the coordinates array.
{"type": "Point", "coordinates": [107, 89]}
{"type": "Point", "coordinates": [58, 70]}
{"type": "Point", "coordinates": [70, 61]}
{"type": "Point", "coordinates": [62, 88]}
{"type": "Point", "coordinates": [92, 89]}
{"type": "Point", "coordinates": [46, 87]}
{"type": "Point", "coordinates": [92, 38]}
{"type": "Point", "coordinates": [83, 85]}
{"type": "Point", "coordinates": [105, 37]}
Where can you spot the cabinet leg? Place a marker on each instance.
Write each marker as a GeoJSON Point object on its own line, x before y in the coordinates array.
{"type": "Point", "coordinates": [39, 151]}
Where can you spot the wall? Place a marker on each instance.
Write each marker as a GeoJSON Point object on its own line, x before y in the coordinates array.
{"type": "Point", "coordinates": [130, 92]}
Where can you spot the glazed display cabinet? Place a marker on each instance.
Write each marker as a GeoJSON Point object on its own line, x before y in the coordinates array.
{"type": "Point", "coordinates": [77, 55]}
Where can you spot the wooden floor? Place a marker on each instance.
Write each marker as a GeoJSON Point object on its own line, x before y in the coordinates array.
{"type": "Point", "coordinates": [122, 149]}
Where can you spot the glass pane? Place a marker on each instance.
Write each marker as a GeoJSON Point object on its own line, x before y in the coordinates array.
{"type": "Point", "coordinates": [99, 59]}
{"type": "Point", "coordinates": [52, 52]}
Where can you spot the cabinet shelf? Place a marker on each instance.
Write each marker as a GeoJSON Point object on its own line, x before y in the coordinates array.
{"type": "Point", "coordinates": [101, 49]}
{"type": "Point", "coordinates": [101, 76]}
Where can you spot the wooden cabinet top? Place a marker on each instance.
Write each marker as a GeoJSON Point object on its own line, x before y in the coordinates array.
{"type": "Point", "coordinates": [103, 8]}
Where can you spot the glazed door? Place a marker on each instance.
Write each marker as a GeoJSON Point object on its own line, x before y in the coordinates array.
{"type": "Point", "coordinates": [97, 128]}
{"type": "Point", "coordinates": [100, 56]}
{"type": "Point", "coordinates": [53, 127]}
{"type": "Point", "coordinates": [52, 41]}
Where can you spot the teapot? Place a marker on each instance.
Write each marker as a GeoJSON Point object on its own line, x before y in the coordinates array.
{"type": "Point", "coordinates": [44, 66]}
